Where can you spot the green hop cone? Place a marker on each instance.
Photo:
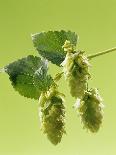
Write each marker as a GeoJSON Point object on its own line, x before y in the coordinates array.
{"type": "Point", "coordinates": [91, 110]}
{"type": "Point", "coordinates": [76, 70]}
{"type": "Point", "coordinates": [52, 115]}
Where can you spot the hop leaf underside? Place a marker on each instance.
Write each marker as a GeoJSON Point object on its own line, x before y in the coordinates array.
{"type": "Point", "coordinates": [91, 110]}
{"type": "Point", "coordinates": [49, 44]}
{"type": "Point", "coordinates": [29, 76]}
{"type": "Point", "coordinates": [52, 118]}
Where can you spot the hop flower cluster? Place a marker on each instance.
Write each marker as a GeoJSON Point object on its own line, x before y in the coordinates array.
{"type": "Point", "coordinates": [76, 70]}
{"type": "Point", "coordinates": [52, 115]}
{"type": "Point", "coordinates": [91, 110]}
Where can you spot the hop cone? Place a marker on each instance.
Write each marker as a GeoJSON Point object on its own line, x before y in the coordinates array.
{"type": "Point", "coordinates": [52, 115]}
{"type": "Point", "coordinates": [79, 78]}
{"type": "Point", "coordinates": [76, 70]}
{"type": "Point", "coordinates": [91, 110]}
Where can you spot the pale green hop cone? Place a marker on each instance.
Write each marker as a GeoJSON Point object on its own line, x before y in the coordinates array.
{"type": "Point", "coordinates": [76, 70]}
{"type": "Point", "coordinates": [52, 116]}
{"type": "Point", "coordinates": [91, 110]}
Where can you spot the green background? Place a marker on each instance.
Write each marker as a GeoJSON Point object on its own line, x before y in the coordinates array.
{"type": "Point", "coordinates": [95, 23]}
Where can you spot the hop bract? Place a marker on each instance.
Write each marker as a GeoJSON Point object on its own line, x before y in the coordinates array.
{"type": "Point", "coordinates": [52, 115]}
{"type": "Point", "coordinates": [76, 70]}
{"type": "Point", "coordinates": [91, 110]}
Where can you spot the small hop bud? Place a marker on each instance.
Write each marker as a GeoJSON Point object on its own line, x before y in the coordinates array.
{"type": "Point", "coordinates": [76, 71]}
{"type": "Point", "coordinates": [52, 116]}
{"type": "Point", "coordinates": [91, 110]}
{"type": "Point", "coordinates": [42, 99]}
{"type": "Point", "coordinates": [68, 47]}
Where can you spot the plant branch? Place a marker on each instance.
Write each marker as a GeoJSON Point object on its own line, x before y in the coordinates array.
{"type": "Point", "coordinates": [102, 53]}
{"type": "Point", "coordinates": [58, 76]}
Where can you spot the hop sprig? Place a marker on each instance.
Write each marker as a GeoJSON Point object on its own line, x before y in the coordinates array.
{"type": "Point", "coordinates": [76, 70]}
{"type": "Point", "coordinates": [30, 77]}
{"type": "Point", "coordinates": [91, 110]}
{"type": "Point", "coordinates": [52, 115]}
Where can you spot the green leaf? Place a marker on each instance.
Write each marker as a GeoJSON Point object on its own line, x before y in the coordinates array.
{"type": "Point", "coordinates": [49, 44]}
{"type": "Point", "coordinates": [29, 76]}
{"type": "Point", "coordinates": [42, 81]}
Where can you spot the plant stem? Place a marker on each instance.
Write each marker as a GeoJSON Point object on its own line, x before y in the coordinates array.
{"type": "Point", "coordinates": [58, 76]}
{"type": "Point", "coordinates": [102, 53]}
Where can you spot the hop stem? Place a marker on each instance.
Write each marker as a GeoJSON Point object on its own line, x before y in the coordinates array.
{"type": "Point", "coordinates": [102, 53]}
{"type": "Point", "coordinates": [58, 76]}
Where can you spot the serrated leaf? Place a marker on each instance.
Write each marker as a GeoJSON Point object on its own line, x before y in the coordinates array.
{"type": "Point", "coordinates": [29, 76]}
{"type": "Point", "coordinates": [41, 79]}
{"type": "Point", "coordinates": [49, 44]}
